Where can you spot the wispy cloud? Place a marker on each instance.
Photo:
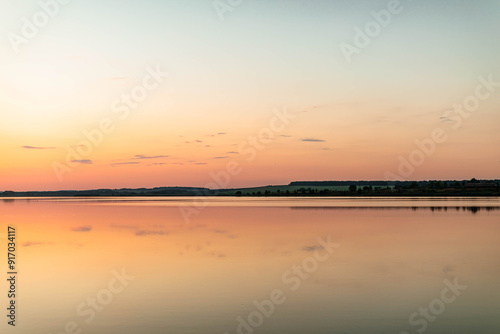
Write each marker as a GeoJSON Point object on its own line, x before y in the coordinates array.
{"type": "Point", "coordinates": [84, 161]}
{"type": "Point", "coordinates": [29, 243]}
{"type": "Point", "coordinates": [312, 248]}
{"type": "Point", "coordinates": [142, 233]}
{"type": "Point", "coordinates": [232, 152]}
{"type": "Point", "coordinates": [217, 254]}
{"type": "Point", "coordinates": [124, 226]}
{"type": "Point", "coordinates": [217, 134]}
{"type": "Point", "coordinates": [140, 156]}
{"type": "Point", "coordinates": [220, 231]}
{"type": "Point", "coordinates": [313, 140]}
{"type": "Point", "coordinates": [221, 157]}
{"type": "Point", "coordinates": [82, 229]}
{"type": "Point", "coordinates": [125, 163]}
{"type": "Point", "coordinates": [37, 147]}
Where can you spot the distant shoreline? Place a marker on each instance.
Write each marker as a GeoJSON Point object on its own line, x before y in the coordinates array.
{"type": "Point", "coordinates": [436, 188]}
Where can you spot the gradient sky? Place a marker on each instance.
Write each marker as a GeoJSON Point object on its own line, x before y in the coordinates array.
{"type": "Point", "coordinates": [353, 120]}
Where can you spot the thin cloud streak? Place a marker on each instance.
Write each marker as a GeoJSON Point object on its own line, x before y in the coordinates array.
{"type": "Point", "coordinates": [314, 140]}
{"type": "Point", "coordinates": [37, 147]}
{"type": "Point", "coordinates": [140, 156]}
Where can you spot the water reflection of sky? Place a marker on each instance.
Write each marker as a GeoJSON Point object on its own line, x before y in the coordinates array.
{"type": "Point", "coordinates": [199, 277]}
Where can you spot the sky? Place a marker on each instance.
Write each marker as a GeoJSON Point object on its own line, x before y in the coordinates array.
{"type": "Point", "coordinates": [246, 93]}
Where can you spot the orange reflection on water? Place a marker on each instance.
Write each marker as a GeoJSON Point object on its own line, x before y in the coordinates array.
{"type": "Point", "coordinates": [198, 277]}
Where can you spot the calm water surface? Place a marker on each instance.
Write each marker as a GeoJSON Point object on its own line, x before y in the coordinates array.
{"type": "Point", "coordinates": [254, 265]}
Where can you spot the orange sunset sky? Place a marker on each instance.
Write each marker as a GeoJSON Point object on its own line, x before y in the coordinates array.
{"type": "Point", "coordinates": [173, 91]}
